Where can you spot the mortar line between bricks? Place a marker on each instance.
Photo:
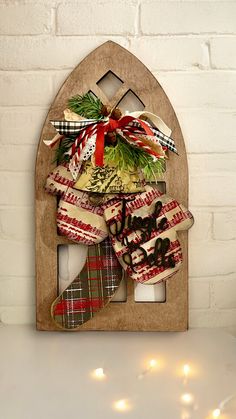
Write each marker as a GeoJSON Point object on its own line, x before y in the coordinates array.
{"type": "Point", "coordinates": [15, 206]}
{"type": "Point", "coordinates": [138, 21]}
{"type": "Point", "coordinates": [195, 69]}
{"type": "Point", "coordinates": [207, 107]}
{"type": "Point", "coordinates": [177, 109]}
{"type": "Point", "coordinates": [188, 71]}
{"type": "Point", "coordinates": [209, 278]}
{"type": "Point", "coordinates": [212, 208]}
{"type": "Point", "coordinates": [2, 277]}
{"type": "Point", "coordinates": [186, 34]}
{"type": "Point", "coordinates": [11, 207]}
{"type": "Point", "coordinates": [132, 36]}
{"type": "Point", "coordinates": [213, 310]}
{"type": "Point", "coordinates": [122, 35]}
{"type": "Point", "coordinates": [189, 153]}
{"type": "Point", "coordinates": [53, 21]}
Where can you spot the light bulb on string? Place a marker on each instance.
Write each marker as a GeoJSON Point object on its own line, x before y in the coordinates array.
{"type": "Point", "coordinates": [186, 370]}
{"type": "Point", "coordinates": [151, 365]}
{"type": "Point", "coordinates": [187, 398]}
{"type": "Point", "coordinates": [99, 374]}
{"type": "Point", "coordinates": [216, 413]}
{"type": "Point", "coordinates": [121, 405]}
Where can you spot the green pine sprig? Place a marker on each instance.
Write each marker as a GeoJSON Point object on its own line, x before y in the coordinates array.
{"type": "Point", "coordinates": [126, 157]}
{"type": "Point", "coordinates": [123, 156]}
{"type": "Point", "coordinates": [62, 149]}
{"type": "Point", "coordinates": [87, 106]}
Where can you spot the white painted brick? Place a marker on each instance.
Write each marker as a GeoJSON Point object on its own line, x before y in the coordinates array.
{"type": "Point", "coordinates": [212, 163]}
{"type": "Point", "coordinates": [157, 53]}
{"type": "Point", "coordinates": [52, 52]}
{"type": "Point", "coordinates": [223, 52]}
{"type": "Point", "coordinates": [17, 258]}
{"type": "Point", "coordinates": [59, 78]}
{"type": "Point", "coordinates": [212, 318]}
{"type": "Point", "coordinates": [199, 294]}
{"type": "Point", "coordinates": [88, 18]}
{"type": "Point", "coordinates": [178, 17]}
{"type": "Point", "coordinates": [215, 190]}
{"type": "Point", "coordinates": [17, 315]}
{"type": "Point", "coordinates": [25, 89]}
{"type": "Point", "coordinates": [20, 18]}
{"type": "Point", "coordinates": [21, 126]}
{"type": "Point", "coordinates": [17, 189]}
{"type": "Point", "coordinates": [17, 223]}
{"type": "Point", "coordinates": [18, 158]}
{"type": "Point", "coordinates": [202, 227]}
{"type": "Point", "coordinates": [212, 258]}
{"type": "Point", "coordinates": [224, 225]}
{"type": "Point", "coordinates": [200, 89]}
{"type": "Point", "coordinates": [213, 278]}
{"type": "Point", "coordinates": [224, 293]}
{"type": "Point", "coordinates": [203, 133]}
{"type": "Point", "coordinates": [17, 291]}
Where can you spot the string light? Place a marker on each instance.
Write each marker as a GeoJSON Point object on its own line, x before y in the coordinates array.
{"type": "Point", "coordinates": [121, 405]}
{"type": "Point", "coordinates": [186, 370]}
{"type": "Point", "coordinates": [187, 398]}
{"type": "Point", "coordinates": [99, 374]}
{"type": "Point", "coordinates": [152, 363]}
{"type": "Point", "coordinates": [216, 413]}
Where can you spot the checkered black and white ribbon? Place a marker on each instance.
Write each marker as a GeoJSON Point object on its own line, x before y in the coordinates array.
{"type": "Point", "coordinates": [72, 127]}
{"type": "Point", "coordinates": [163, 139]}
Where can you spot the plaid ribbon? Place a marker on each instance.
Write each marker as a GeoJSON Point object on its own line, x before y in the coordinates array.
{"type": "Point", "coordinates": [128, 126]}
{"type": "Point", "coordinates": [74, 127]}
{"type": "Point", "coordinates": [91, 290]}
{"type": "Point", "coordinates": [163, 139]}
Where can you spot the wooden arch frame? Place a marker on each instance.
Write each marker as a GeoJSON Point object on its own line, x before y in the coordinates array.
{"type": "Point", "coordinates": [130, 315]}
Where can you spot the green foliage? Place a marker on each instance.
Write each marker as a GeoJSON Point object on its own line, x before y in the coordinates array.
{"type": "Point", "coordinates": [123, 156]}
{"type": "Point", "coordinates": [126, 157]}
{"type": "Point", "coordinates": [86, 105]}
{"type": "Point", "coordinates": [63, 148]}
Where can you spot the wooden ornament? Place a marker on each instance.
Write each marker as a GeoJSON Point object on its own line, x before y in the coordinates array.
{"type": "Point", "coordinates": [91, 290]}
{"type": "Point", "coordinates": [137, 80]}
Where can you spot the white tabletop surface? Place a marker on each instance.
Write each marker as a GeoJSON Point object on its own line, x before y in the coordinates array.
{"type": "Point", "coordinates": [49, 375]}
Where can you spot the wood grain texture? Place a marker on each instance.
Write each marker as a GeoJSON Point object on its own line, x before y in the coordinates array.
{"type": "Point", "coordinates": [169, 316]}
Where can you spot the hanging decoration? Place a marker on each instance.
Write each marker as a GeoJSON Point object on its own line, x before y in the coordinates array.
{"type": "Point", "coordinates": [106, 162]}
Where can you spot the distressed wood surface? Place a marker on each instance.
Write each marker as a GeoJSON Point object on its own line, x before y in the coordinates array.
{"type": "Point", "coordinates": [171, 315]}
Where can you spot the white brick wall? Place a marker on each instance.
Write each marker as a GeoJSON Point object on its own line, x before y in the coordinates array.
{"type": "Point", "coordinates": [190, 47]}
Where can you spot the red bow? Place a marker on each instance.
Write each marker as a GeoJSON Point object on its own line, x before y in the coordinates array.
{"type": "Point", "coordinates": [104, 127]}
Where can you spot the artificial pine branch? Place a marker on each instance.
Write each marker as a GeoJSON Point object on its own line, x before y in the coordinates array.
{"type": "Point", "coordinates": [86, 106]}
{"type": "Point", "coordinates": [126, 157]}
{"type": "Point", "coordinates": [60, 153]}
{"type": "Point", "coordinates": [123, 156]}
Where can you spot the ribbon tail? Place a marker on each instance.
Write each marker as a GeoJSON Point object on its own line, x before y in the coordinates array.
{"type": "Point", "coordinates": [99, 150]}
{"type": "Point", "coordinates": [54, 140]}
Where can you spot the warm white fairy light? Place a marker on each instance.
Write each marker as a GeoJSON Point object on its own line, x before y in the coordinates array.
{"type": "Point", "coordinates": [99, 374]}
{"type": "Point", "coordinates": [186, 370]}
{"type": "Point", "coordinates": [216, 413]}
{"type": "Point", "coordinates": [121, 405]}
{"type": "Point", "coordinates": [152, 363]}
{"type": "Point", "coordinates": [187, 398]}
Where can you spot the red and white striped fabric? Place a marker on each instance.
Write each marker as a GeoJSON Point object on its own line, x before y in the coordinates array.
{"type": "Point", "coordinates": [77, 218]}
{"type": "Point", "coordinates": [147, 256]}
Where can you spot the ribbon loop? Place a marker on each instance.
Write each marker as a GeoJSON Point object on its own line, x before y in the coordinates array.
{"type": "Point", "coordinates": [131, 127]}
